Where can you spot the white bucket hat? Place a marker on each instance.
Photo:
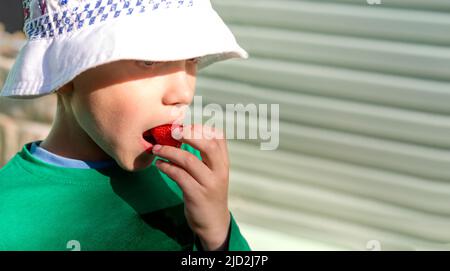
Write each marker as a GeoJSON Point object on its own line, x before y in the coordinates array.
{"type": "Point", "coordinates": [67, 37]}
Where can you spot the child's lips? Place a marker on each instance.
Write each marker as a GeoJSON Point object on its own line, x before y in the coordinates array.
{"type": "Point", "coordinates": [147, 146]}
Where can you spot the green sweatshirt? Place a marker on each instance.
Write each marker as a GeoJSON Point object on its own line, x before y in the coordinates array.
{"type": "Point", "coordinates": [46, 207]}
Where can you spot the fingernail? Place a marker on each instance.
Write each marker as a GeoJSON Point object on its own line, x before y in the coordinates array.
{"type": "Point", "coordinates": [156, 148]}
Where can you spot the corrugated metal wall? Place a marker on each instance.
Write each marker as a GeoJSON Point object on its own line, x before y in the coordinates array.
{"type": "Point", "coordinates": [364, 94]}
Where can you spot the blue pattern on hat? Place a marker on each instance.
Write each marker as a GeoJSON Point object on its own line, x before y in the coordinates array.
{"type": "Point", "coordinates": [68, 20]}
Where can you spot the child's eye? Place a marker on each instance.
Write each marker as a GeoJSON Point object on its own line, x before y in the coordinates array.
{"type": "Point", "coordinates": [148, 63]}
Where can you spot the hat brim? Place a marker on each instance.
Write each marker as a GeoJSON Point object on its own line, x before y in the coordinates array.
{"type": "Point", "coordinates": [44, 65]}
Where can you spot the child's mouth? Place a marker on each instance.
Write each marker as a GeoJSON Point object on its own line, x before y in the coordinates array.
{"type": "Point", "coordinates": [162, 135]}
{"type": "Point", "coordinates": [149, 138]}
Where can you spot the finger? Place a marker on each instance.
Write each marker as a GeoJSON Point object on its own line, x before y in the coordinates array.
{"type": "Point", "coordinates": [187, 184]}
{"type": "Point", "coordinates": [186, 160]}
{"type": "Point", "coordinates": [215, 137]}
{"type": "Point", "coordinates": [210, 149]}
{"type": "Point", "coordinates": [219, 135]}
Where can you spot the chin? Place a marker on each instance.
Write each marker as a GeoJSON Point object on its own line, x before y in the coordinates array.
{"type": "Point", "coordinates": [136, 164]}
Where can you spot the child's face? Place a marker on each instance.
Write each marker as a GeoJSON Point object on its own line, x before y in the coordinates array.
{"type": "Point", "coordinates": [117, 102]}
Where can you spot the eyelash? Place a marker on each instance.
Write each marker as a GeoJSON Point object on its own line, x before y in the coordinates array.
{"type": "Point", "coordinates": [151, 63]}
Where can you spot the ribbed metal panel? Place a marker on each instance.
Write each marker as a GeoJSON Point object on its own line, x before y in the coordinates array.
{"type": "Point", "coordinates": [364, 94]}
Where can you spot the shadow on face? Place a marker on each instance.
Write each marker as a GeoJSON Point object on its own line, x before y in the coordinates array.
{"type": "Point", "coordinates": [110, 106]}
{"type": "Point", "coordinates": [122, 71]}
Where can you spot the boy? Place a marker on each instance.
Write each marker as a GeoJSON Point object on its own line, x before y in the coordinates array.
{"type": "Point", "coordinates": [120, 69]}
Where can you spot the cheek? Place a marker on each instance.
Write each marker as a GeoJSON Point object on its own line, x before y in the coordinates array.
{"type": "Point", "coordinates": [113, 115]}
{"type": "Point", "coordinates": [100, 116]}
{"type": "Point", "coordinates": [89, 117]}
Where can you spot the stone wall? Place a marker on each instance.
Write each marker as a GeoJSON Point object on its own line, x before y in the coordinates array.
{"type": "Point", "coordinates": [21, 121]}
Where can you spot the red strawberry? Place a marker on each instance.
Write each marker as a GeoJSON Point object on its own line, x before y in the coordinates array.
{"type": "Point", "coordinates": [162, 135]}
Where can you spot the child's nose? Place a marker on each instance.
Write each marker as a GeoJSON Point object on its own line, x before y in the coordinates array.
{"type": "Point", "coordinates": [179, 88]}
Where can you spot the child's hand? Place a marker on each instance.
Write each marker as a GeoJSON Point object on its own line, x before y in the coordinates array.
{"type": "Point", "coordinates": [204, 183]}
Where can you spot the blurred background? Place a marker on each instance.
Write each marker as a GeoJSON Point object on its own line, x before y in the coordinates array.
{"type": "Point", "coordinates": [364, 94]}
